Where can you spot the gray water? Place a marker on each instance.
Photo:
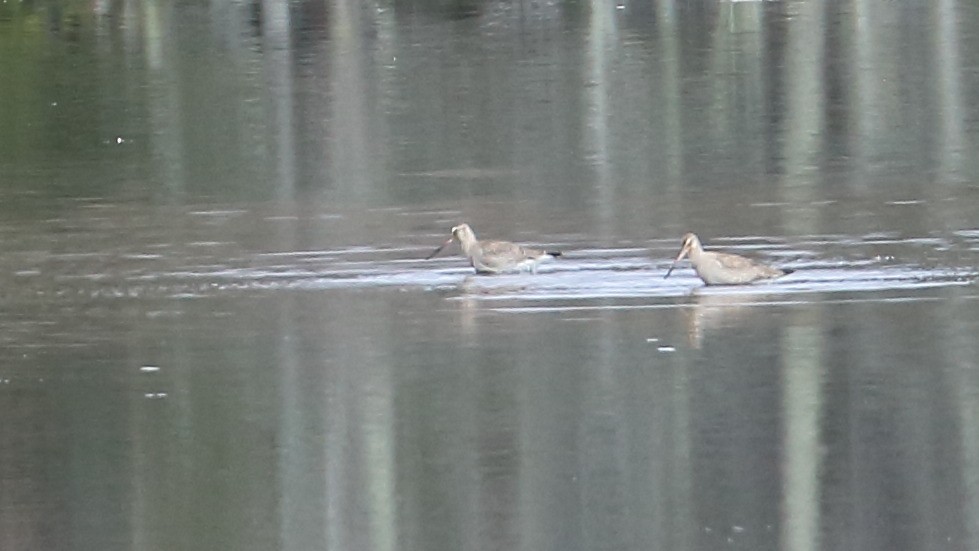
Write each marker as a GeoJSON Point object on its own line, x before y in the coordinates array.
{"type": "Point", "coordinates": [218, 329]}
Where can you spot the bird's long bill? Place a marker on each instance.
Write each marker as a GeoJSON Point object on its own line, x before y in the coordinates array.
{"type": "Point", "coordinates": [679, 257]}
{"type": "Point", "coordinates": [683, 253]}
{"type": "Point", "coordinates": [438, 250]}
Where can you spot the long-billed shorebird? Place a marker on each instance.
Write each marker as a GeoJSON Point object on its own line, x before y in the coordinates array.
{"type": "Point", "coordinates": [494, 257]}
{"type": "Point", "coordinates": [723, 268]}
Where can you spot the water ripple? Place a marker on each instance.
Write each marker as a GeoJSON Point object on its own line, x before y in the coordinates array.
{"type": "Point", "coordinates": [822, 264]}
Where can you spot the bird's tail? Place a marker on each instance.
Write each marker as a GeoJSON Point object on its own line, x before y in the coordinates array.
{"type": "Point", "coordinates": [553, 253]}
{"type": "Point", "coordinates": [787, 271]}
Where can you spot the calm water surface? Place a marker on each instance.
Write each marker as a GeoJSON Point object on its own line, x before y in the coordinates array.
{"type": "Point", "coordinates": [217, 329]}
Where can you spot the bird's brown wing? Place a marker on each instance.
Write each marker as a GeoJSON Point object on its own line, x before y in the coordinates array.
{"type": "Point", "coordinates": [747, 265]}
{"type": "Point", "coordinates": [503, 249]}
{"type": "Point", "coordinates": [734, 262]}
{"type": "Point", "coordinates": [500, 254]}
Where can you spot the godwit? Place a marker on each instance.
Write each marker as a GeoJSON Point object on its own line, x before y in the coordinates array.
{"type": "Point", "coordinates": [494, 257]}
{"type": "Point", "coordinates": [723, 268]}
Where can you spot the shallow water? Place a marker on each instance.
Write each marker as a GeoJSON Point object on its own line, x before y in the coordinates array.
{"type": "Point", "coordinates": [158, 266]}
{"type": "Point", "coordinates": [218, 329]}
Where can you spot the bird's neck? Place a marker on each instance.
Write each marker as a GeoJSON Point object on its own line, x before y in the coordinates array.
{"type": "Point", "coordinates": [471, 247]}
